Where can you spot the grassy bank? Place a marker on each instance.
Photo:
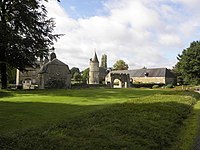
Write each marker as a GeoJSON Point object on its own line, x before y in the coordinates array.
{"type": "Point", "coordinates": [93, 118]}
{"type": "Point", "coordinates": [190, 130]}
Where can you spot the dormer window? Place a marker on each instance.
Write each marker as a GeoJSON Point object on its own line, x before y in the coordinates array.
{"type": "Point", "coordinates": [146, 74]}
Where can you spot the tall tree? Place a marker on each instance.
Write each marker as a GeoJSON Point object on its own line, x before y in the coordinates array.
{"type": "Point", "coordinates": [74, 70]}
{"type": "Point", "coordinates": [188, 66]}
{"type": "Point", "coordinates": [26, 34]}
{"type": "Point", "coordinates": [77, 77]}
{"type": "Point", "coordinates": [76, 74]}
{"type": "Point", "coordinates": [85, 75]}
{"type": "Point", "coordinates": [11, 74]}
{"type": "Point", "coordinates": [104, 61]}
{"type": "Point", "coordinates": [120, 65]}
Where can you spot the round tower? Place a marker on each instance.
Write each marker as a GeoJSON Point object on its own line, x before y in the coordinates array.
{"type": "Point", "coordinates": [94, 70]}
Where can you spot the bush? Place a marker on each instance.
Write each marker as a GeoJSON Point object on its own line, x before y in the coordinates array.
{"type": "Point", "coordinates": [169, 86]}
{"type": "Point", "coordinates": [58, 84]}
{"type": "Point", "coordinates": [155, 86]}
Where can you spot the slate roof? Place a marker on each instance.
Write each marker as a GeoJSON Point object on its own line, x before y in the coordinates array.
{"type": "Point", "coordinates": [95, 59]}
{"type": "Point", "coordinates": [53, 62]}
{"type": "Point", "coordinates": [153, 72]}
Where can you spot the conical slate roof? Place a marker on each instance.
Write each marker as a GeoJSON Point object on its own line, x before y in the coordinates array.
{"type": "Point", "coordinates": [95, 59]}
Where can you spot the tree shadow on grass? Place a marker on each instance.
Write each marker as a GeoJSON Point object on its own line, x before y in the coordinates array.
{"type": "Point", "coordinates": [116, 126]}
{"type": "Point", "coordinates": [5, 94]}
{"type": "Point", "coordinates": [19, 115]}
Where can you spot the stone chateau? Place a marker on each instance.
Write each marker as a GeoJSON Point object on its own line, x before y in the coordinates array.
{"type": "Point", "coordinates": [53, 73]}
{"type": "Point", "coordinates": [123, 78]}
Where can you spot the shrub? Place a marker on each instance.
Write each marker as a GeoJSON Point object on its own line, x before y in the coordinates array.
{"type": "Point", "coordinates": [59, 84]}
{"type": "Point", "coordinates": [155, 86]}
{"type": "Point", "coordinates": [169, 86]}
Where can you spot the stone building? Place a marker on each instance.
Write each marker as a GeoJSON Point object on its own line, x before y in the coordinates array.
{"type": "Point", "coordinates": [47, 74]}
{"type": "Point", "coordinates": [118, 79]}
{"type": "Point", "coordinates": [54, 74]}
{"type": "Point", "coordinates": [153, 75]}
{"type": "Point", "coordinates": [29, 78]}
{"type": "Point", "coordinates": [94, 70]}
{"type": "Point", "coordinates": [97, 74]}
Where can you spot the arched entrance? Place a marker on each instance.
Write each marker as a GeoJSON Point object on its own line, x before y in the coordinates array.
{"type": "Point", "coordinates": [117, 83]}
{"type": "Point", "coordinates": [120, 80]}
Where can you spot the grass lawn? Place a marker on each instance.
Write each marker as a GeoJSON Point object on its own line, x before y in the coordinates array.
{"type": "Point", "coordinates": [93, 118]}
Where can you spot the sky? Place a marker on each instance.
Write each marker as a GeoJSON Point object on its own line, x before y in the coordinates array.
{"type": "Point", "coordinates": [148, 33]}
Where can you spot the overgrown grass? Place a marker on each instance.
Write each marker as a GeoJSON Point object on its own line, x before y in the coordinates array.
{"type": "Point", "coordinates": [189, 134]}
{"type": "Point", "coordinates": [93, 118]}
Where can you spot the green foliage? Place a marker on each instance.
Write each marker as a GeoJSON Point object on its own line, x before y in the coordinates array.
{"type": "Point", "coordinates": [55, 84]}
{"type": "Point", "coordinates": [11, 74]}
{"type": "Point", "coordinates": [93, 118]}
{"type": "Point", "coordinates": [85, 75]}
{"type": "Point", "coordinates": [26, 34]}
{"type": "Point", "coordinates": [77, 76]}
{"type": "Point", "coordinates": [104, 61]}
{"type": "Point", "coordinates": [188, 66]}
{"type": "Point", "coordinates": [75, 70]}
{"type": "Point", "coordinates": [120, 65]}
{"type": "Point", "coordinates": [169, 86]}
{"type": "Point", "coordinates": [155, 86]}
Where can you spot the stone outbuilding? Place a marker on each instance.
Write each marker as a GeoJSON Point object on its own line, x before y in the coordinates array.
{"type": "Point", "coordinates": [47, 74]}
{"type": "Point", "coordinates": [152, 75]}
{"type": "Point", "coordinates": [29, 78]}
{"type": "Point", "coordinates": [55, 74]}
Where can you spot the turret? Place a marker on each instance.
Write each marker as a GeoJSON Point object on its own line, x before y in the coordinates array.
{"type": "Point", "coordinates": [94, 70]}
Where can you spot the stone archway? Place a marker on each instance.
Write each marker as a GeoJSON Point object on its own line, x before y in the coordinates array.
{"type": "Point", "coordinates": [123, 80]}
{"type": "Point", "coordinates": [117, 83]}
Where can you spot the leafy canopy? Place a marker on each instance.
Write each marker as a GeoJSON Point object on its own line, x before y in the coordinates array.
{"type": "Point", "coordinates": [85, 75]}
{"type": "Point", "coordinates": [188, 66]}
{"type": "Point", "coordinates": [26, 33]}
{"type": "Point", "coordinates": [120, 65]}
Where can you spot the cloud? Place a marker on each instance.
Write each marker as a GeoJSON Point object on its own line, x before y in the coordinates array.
{"type": "Point", "coordinates": [141, 32]}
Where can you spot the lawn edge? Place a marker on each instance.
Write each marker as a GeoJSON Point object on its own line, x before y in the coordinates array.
{"type": "Point", "coordinates": [190, 130]}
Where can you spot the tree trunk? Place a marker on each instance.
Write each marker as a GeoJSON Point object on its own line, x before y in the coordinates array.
{"type": "Point", "coordinates": [3, 75]}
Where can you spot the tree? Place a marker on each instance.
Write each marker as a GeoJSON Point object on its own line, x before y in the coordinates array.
{"type": "Point", "coordinates": [120, 65]}
{"type": "Point", "coordinates": [104, 61]}
{"type": "Point", "coordinates": [26, 34]}
{"type": "Point", "coordinates": [74, 70]}
{"type": "Point", "coordinates": [188, 66]}
{"type": "Point", "coordinates": [77, 77]}
{"type": "Point", "coordinates": [76, 74]}
{"type": "Point", "coordinates": [85, 75]}
{"type": "Point", "coordinates": [11, 74]}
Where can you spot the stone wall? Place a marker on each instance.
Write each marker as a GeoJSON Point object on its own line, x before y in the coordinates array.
{"type": "Point", "coordinates": [56, 76]}
{"type": "Point", "coordinates": [160, 80]}
{"type": "Point", "coordinates": [29, 78]}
